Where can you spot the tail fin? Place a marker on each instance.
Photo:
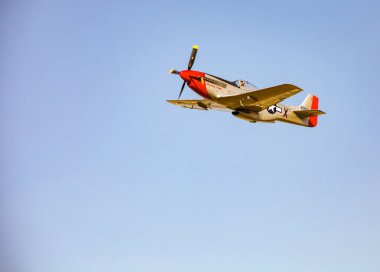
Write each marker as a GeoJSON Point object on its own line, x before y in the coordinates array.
{"type": "Point", "coordinates": [311, 103]}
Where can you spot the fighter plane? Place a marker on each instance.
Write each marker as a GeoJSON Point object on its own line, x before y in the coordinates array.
{"type": "Point", "coordinates": [244, 100]}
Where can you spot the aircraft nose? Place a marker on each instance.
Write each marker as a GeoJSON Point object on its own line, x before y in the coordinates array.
{"type": "Point", "coordinates": [185, 75]}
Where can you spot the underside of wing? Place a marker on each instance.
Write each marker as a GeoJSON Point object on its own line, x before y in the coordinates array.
{"type": "Point", "coordinates": [260, 99]}
{"type": "Point", "coordinates": [202, 104]}
{"type": "Point", "coordinates": [308, 113]}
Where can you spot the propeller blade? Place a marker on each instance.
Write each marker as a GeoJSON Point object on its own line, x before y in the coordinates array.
{"type": "Point", "coordinates": [192, 57]}
{"type": "Point", "coordinates": [173, 71]}
{"type": "Point", "coordinates": [183, 86]}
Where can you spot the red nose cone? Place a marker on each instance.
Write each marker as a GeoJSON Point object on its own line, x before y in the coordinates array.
{"type": "Point", "coordinates": [196, 81]}
{"type": "Point", "coordinates": [185, 75]}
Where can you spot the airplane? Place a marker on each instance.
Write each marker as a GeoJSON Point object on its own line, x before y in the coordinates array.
{"type": "Point", "coordinates": [244, 100]}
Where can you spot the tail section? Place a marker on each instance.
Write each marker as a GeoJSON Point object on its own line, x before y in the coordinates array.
{"type": "Point", "coordinates": [309, 110]}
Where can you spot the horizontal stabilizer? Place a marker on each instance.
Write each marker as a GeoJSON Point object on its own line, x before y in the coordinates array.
{"type": "Point", "coordinates": [308, 113]}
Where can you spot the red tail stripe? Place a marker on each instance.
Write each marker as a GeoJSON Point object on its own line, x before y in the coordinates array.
{"type": "Point", "coordinates": [314, 103]}
{"type": "Point", "coordinates": [314, 106]}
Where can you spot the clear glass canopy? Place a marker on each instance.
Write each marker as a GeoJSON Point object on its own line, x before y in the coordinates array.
{"type": "Point", "coordinates": [244, 84]}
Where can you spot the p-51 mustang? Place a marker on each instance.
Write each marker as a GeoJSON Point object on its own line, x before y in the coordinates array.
{"type": "Point", "coordinates": [244, 99]}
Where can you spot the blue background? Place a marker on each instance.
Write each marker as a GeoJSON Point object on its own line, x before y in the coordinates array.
{"type": "Point", "coordinates": [100, 173]}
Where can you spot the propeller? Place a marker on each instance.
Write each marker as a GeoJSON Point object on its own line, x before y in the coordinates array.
{"type": "Point", "coordinates": [172, 71]}
{"type": "Point", "coordinates": [183, 86]}
{"type": "Point", "coordinates": [189, 66]}
{"type": "Point", "coordinates": [192, 57]}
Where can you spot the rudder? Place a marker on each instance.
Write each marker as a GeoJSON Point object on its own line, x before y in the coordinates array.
{"type": "Point", "coordinates": [311, 103]}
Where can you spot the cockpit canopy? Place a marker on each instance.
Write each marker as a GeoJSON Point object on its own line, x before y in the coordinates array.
{"type": "Point", "coordinates": [244, 84]}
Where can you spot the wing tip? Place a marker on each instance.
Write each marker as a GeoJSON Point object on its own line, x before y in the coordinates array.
{"type": "Point", "coordinates": [293, 87]}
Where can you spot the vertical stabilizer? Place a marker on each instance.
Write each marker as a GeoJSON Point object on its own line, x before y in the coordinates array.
{"type": "Point", "coordinates": [311, 103]}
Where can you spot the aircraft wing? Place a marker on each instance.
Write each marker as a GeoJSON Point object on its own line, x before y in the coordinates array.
{"type": "Point", "coordinates": [260, 99]}
{"type": "Point", "coordinates": [202, 104]}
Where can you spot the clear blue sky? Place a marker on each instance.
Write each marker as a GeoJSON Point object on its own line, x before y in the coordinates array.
{"type": "Point", "coordinates": [99, 173]}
